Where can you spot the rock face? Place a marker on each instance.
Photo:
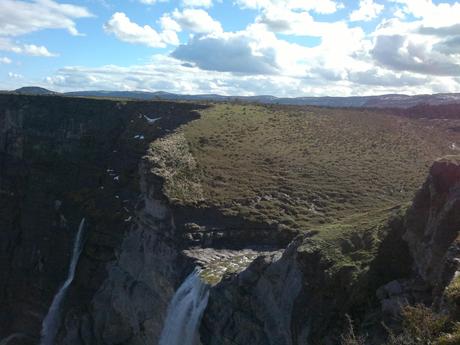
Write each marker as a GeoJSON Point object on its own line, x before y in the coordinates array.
{"type": "Point", "coordinates": [131, 303]}
{"type": "Point", "coordinates": [62, 159]}
{"type": "Point", "coordinates": [256, 305]}
{"type": "Point", "coordinates": [433, 225]}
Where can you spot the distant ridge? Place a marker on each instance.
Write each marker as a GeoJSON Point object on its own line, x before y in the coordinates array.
{"type": "Point", "coordinates": [382, 101]}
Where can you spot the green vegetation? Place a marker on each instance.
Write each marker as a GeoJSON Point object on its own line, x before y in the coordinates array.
{"type": "Point", "coordinates": [420, 326]}
{"type": "Point", "coordinates": [306, 168]}
{"type": "Point", "coordinates": [174, 162]}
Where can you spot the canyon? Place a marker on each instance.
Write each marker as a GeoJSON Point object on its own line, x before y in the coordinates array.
{"type": "Point", "coordinates": [217, 211]}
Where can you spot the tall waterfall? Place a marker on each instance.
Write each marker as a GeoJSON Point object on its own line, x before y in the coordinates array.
{"type": "Point", "coordinates": [185, 311]}
{"type": "Point", "coordinates": [51, 323]}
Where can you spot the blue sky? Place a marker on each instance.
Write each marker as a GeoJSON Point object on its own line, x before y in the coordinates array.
{"type": "Point", "coordinates": [245, 47]}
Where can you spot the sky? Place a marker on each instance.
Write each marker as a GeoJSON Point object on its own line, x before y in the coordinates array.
{"type": "Point", "coordinates": [285, 48]}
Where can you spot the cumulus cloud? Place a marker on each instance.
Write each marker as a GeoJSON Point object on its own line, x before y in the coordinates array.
{"type": "Point", "coordinates": [405, 53]}
{"type": "Point", "coordinates": [5, 60]}
{"type": "Point", "coordinates": [433, 15]}
{"type": "Point", "coordinates": [126, 30]}
{"type": "Point", "coordinates": [282, 20]}
{"type": "Point", "coordinates": [289, 22]}
{"type": "Point", "coordinates": [322, 7]}
{"type": "Point", "coordinates": [197, 3]}
{"type": "Point", "coordinates": [26, 49]}
{"type": "Point", "coordinates": [34, 50]}
{"type": "Point", "coordinates": [21, 17]}
{"type": "Point", "coordinates": [368, 10]}
{"type": "Point", "coordinates": [195, 20]}
{"type": "Point", "coordinates": [230, 52]}
{"type": "Point", "coordinates": [254, 50]}
{"type": "Point", "coordinates": [379, 77]}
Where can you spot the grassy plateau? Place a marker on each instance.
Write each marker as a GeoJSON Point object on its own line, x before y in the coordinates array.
{"type": "Point", "coordinates": [306, 168]}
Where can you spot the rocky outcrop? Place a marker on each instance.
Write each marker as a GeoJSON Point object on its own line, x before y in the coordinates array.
{"type": "Point", "coordinates": [433, 225]}
{"type": "Point", "coordinates": [256, 305]}
{"type": "Point", "coordinates": [301, 296]}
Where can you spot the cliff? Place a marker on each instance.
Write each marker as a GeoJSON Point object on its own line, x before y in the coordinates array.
{"type": "Point", "coordinates": [296, 215]}
{"type": "Point", "coordinates": [63, 159]}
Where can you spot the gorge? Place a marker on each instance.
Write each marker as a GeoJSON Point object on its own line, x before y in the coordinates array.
{"type": "Point", "coordinates": [229, 223]}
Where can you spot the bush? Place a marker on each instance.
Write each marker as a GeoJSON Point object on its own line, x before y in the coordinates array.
{"type": "Point", "coordinates": [421, 326]}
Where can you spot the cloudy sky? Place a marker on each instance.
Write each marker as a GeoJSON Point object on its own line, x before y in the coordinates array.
{"type": "Point", "coordinates": [244, 47]}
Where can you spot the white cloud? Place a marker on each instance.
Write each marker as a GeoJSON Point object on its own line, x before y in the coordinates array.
{"type": "Point", "coordinates": [322, 7]}
{"type": "Point", "coordinates": [254, 50]}
{"type": "Point", "coordinates": [282, 20]}
{"type": "Point", "coordinates": [230, 52]}
{"type": "Point", "coordinates": [169, 24]}
{"type": "Point", "coordinates": [425, 45]}
{"type": "Point", "coordinates": [5, 60]}
{"type": "Point", "coordinates": [433, 15]}
{"type": "Point", "coordinates": [26, 49]}
{"type": "Point", "coordinates": [15, 75]}
{"type": "Point", "coordinates": [126, 30]}
{"type": "Point", "coordinates": [151, 2]}
{"type": "Point", "coordinates": [168, 74]}
{"type": "Point", "coordinates": [34, 50]}
{"type": "Point", "coordinates": [184, 3]}
{"type": "Point", "coordinates": [196, 20]}
{"type": "Point", "coordinates": [413, 53]}
{"type": "Point", "coordinates": [197, 3]}
{"type": "Point", "coordinates": [368, 10]}
{"type": "Point", "coordinates": [21, 17]}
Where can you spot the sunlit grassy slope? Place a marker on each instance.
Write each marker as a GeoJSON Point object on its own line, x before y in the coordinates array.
{"type": "Point", "coordinates": [303, 167]}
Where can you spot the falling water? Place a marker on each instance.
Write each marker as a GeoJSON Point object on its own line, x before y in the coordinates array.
{"type": "Point", "coordinates": [185, 311]}
{"type": "Point", "coordinates": [52, 320]}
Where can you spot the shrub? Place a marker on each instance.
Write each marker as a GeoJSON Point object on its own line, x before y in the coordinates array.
{"type": "Point", "coordinates": [423, 324]}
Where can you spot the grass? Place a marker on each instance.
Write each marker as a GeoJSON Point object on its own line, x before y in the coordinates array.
{"type": "Point", "coordinates": [307, 168]}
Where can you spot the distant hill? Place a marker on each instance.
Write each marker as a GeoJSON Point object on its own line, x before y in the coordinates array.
{"type": "Point", "coordinates": [34, 90]}
{"type": "Point", "coordinates": [382, 101]}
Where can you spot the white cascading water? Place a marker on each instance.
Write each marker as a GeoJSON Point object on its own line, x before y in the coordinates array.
{"type": "Point", "coordinates": [51, 323]}
{"type": "Point", "coordinates": [185, 311]}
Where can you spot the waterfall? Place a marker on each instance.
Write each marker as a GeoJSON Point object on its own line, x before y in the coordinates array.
{"type": "Point", "coordinates": [51, 323]}
{"type": "Point", "coordinates": [185, 311]}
